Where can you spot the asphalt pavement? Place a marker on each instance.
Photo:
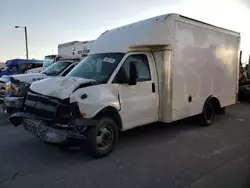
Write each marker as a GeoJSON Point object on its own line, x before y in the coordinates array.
{"type": "Point", "coordinates": [154, 156]}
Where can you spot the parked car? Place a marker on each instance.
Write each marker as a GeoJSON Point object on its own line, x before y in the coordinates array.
{"type": "Point", "coordinates": [14, 88]}
{"type": "Point", "coordinates": [20, 66]}
{"type": "Point", "coordinates": [51, 59]}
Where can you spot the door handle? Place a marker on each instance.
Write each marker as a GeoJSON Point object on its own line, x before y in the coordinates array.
{"type": "Point", "coordinates": [153, 87]}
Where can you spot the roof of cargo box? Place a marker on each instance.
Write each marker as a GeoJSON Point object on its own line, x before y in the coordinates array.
{"type": "Point", "coordinates": [149, 32]}
{"type": "Point", "coordinates": [146, 32]}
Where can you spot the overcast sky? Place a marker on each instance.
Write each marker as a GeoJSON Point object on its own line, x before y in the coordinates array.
{"type": "Point", "coordinates": [51, 22]}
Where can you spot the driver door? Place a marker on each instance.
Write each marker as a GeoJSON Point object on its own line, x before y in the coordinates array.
{"type": "Point", "coordinates": [139, 103]}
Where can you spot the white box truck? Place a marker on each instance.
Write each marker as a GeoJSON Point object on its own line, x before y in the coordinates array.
{"type": "Point", "coordinates": [76, 49]}
{"type": "Point", "coordinates": [162, 69]}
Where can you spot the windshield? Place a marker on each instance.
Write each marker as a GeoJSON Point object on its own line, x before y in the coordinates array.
{"type": "Point", "coordinates": [56, 68]}
{"type": "Point", "coordinates": [10, 69]}
{"type": "Point", "coordinates": [98, 67]}
{"type": "Point", "coordinates": [48, 60]}
{"type": "Point", "coordinates": [5, 69]}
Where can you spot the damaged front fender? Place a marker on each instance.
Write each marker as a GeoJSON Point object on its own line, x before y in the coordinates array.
{"type": "Point", "coordinates": [98, 98]}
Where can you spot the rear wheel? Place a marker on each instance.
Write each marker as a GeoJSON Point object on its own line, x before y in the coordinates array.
{"type": "Point", "coordinates": [102, 139]}
{"type": "Point", "coordinates": [208, 114]}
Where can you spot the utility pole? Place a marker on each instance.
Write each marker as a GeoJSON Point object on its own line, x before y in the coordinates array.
{"type": "Point", "coordinates": [26, 40]}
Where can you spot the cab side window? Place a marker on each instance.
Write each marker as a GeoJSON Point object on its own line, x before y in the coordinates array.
{"type": "Point", "coordinates": [142, 66]}
{"type": "Point", "coordinates": [27, 66]}
{"type": "Point", "coordinates": [13, 69]}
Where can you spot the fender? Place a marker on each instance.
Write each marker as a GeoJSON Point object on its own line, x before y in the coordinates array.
{"type": "Point", "coordinates": [104, 108]}
{"type": "Point", "coordinates": [216, 103]}
{"type": "Point", "coordinates": [97, 98]}
{"type": "Point", "coordinates": [211, 97]}
{"type": "Point", "coordinates": [113, 113]}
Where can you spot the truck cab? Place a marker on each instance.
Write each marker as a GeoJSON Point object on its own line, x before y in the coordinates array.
{"type": "Point", "coordinates": [102, 84]}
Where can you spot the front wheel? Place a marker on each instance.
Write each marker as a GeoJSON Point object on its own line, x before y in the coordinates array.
{"type": "Point", "coordinates": [102, 138]}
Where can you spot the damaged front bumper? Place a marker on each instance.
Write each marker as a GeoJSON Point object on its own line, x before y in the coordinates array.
{"type": "Point", "coordinates": [52, 132]}
{"type": "Point", "coordinates": [12, 104]}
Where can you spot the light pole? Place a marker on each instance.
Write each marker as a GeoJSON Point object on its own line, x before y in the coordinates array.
{"type": "Point", "coordinates": [26, 39]}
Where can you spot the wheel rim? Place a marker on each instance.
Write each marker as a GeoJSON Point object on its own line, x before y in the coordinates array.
{"type": "Point", "coordinates": [209, 113]}
{"type": "Point", "coordinates": [105, 137]}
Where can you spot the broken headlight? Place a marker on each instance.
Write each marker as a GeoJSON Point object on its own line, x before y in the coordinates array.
{"type": "Point", "coordinates": [13, 89]}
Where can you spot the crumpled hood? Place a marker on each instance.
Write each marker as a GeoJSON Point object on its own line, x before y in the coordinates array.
{"type": "Point", "coordinates": [28, 78]}
{"type": "Point", "coordinates": [59, 87]}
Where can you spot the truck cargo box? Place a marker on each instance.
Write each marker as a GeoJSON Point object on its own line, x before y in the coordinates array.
{"type": "Point", "coordinates": [194, 60]}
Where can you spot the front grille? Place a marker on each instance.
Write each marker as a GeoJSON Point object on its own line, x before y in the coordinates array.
{"type": "Point", "coordinates": [47, 108]}
{"type": "Point", "coordinates": [39, 113]}
{"type": "Point", "coordinates": [2, 91]}
{"type": "Point", "coordinates": [43, 99]}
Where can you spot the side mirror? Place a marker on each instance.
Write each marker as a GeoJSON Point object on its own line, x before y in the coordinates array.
{"type": "Point", "coordinates": [133, 73]}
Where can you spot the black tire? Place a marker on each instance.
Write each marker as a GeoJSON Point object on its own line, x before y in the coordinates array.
{"type": "Point", "coordinates": [110, 135]}
{"type": "Point", "coordinates": [208, 114]}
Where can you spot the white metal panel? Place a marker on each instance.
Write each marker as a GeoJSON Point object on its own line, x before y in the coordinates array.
{"type": "Point", "coordinates": [163, 65]}
{"type": "Point", "coordinates": [60, 87]}
{"type": "Point", "coordinates": [153, 31]}
{"type": "Point", "coordinates": [75, 49]}
{"type": "Point", "coordinates": [98, 97]}
{"type": "Point", "coordinates": [30, 77]}
{"type": "Point", "coordinates": [205, 63]}
{"type": "Point", "coordinates": [139, 104]}
{"type": "Point", "coordinates": [65, 50]}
